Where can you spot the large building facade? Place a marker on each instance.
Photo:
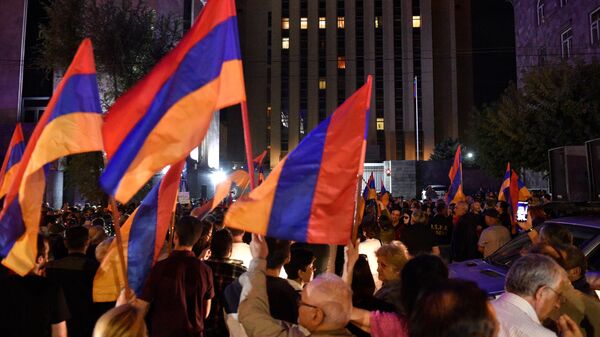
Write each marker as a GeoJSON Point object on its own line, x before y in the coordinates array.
{"type": "Point", "coordinates": [303, 58]}
{"type": "Point", "coordinates": [548, 31]}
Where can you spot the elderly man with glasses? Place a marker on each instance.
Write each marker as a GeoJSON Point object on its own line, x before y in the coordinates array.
{"type": "Point", "coordinates": [534, 286]}
{"type": "Point", "coordinates": [323, 310]}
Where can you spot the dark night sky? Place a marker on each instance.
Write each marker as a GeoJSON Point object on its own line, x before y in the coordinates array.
{"type": "Point", "coordinates": [494, 64]}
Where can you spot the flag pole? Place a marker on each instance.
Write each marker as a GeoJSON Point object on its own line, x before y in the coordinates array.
{"type": "Point", "coordinates": [248, 143]}
{"type": "Point", "coordinates": [171, 233]}
{"type": "Point", "coordinates": [117, 225]}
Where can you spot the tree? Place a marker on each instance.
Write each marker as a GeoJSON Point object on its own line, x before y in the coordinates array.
{"type": "Point", "coordinates": [557, 105]}
{"type": "Point", "coordinates": [444, 150]}
{"type": "Point", "coordinates": [128, 41]}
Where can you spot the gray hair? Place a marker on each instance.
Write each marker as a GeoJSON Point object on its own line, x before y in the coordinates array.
{"type": "Point", "coordinates": [532, 271]}
{"type": "Point", "coordinates": [332, 295]}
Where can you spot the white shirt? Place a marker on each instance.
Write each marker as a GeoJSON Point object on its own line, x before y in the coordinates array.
{"type": "Point", "coordinates": [517, 318]}
{"type": "Point", "coordinates": [368, 247]}
{"type": "Point", "coordinates": [241, 251]}
{"type": "Point", "coordinates": [297, 286]}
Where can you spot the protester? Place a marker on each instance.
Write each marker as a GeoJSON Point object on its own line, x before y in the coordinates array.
{"type": "Point", "coordinates": [300, 268]}
{"type": "Point", "coordinates": [390, 260]}
{"type": "Point", "coordinates": [418, 237]}
{"type": "Point", "coordinates": [225, 271]}
{"type": "Point", "coordinates": [494, 236]}
{"type": "Point", "coordinates": [75, 274]}
{"type": "Point", "coordinates": [534, 286]}
{"type": "Point", "coordinates": [179, 289]}
{"type": "Point", "coordinates": [33, 305]}
{"type": "Point", "coordinates": [126, 320]}
{"type": "Point", "coordinates": [420, 274]}
{"type": "Point", "coordinates": [240, 250]}
{"type": "Point", "coordinates": [464, 236]}
{"type": "Point", "coordinates": [454, 308]}
{"type": "Point", "coordinates": [281, 296]}
{"type": "Point", "coordinates": [324, 308]}
{"type": "Point", "coordinates": [583, 309]}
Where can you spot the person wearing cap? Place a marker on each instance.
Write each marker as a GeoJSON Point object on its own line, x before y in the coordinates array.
{"type": "Point", "coordinates": [493, 237]}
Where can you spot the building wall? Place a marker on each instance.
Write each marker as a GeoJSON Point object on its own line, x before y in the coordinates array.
{"type": "Point", "coordinates": [324, 64]}
{"type": "Point", "coordinates": [534, 40]}
{"type": "Point", "coordinates": [12, 16]}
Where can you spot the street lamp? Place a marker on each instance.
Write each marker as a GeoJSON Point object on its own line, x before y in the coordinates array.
{"type": "Point", "coordinates": [217, 177]}
{"type": "Point", "coordinates": [470, 155]}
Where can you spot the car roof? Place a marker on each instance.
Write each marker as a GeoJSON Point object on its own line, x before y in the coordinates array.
{"type": "Point", "coordinates": [592, 221]}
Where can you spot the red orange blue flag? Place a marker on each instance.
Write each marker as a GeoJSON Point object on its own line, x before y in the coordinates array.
{"type": "Point", "coordinates": [369, 192]}
{"type": "Point", "coordinates": [383, 189]}
{"type": "Point", "coordinates": [163, 117]}
{"type": "Point", "coordinates": [71, 124]}
{"type": "Point", "coordinates": [258, 165]}
{"type": "Point", "coordinates": [12, 159]}
{"type": "Point", "coordinates": [310, 195]}
{"type": "Point", "coordinates": [512, 191]}
{"type": "Point", "coordinates": [455, 192]}
{"type": "Point", "coordinates": [143, 235]}
{"type": "Point", "coordinates": [523, 194]}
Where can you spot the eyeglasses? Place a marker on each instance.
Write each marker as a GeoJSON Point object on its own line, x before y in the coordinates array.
{"type": "Point", "coordinates": [300, 303]}
{"type": "Point", "coordinates": [560, 296]}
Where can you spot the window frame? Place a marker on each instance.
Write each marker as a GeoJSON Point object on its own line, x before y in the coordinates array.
{"type": "Point", "coordinates": [568, 41]}
{"type": "Point", "coordinates": [540, 12]}
{"type": "Point", "coordinates": [595, 25]}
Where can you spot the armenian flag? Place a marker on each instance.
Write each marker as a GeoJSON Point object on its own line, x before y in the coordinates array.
{"type": "Point", "coordinates": [10, 166]}
{"type": "Point", "coordinates": [143, 235]}
{"type": "Point", "coordinates": [71, 124]}
{"type": "Point", "coordinates": [523, 194]}
{"type": "Point", "coordinates": [382, 191]}
{"type": "Point", "coordinates": [512, 191]}
{"type": "Point", "coordinates": [310, 195]}
{"type": "Point", "coordinates": [163, 117]}
{"type": "Point", "coordinates": [258, 165]}
{"type": "Point", "coordinates": [455, 192]}
{"type": "Point", "coordinates": [369, 191]}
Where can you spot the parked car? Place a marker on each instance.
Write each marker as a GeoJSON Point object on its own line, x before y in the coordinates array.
{"type": "Point", "coordinates": [489, 273]}
{"type": "Point", "coordinates": [440, 192]}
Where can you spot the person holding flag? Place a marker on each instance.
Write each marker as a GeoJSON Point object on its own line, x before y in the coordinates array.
{"type": "Point", "coordinates": [143, 237]}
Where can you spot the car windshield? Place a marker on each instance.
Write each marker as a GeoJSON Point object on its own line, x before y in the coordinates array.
{"type": "Point", "coordinates": [506, 255]}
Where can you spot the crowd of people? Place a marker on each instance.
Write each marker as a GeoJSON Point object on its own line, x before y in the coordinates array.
{"type": "Point", "coordinates": [393, 281]}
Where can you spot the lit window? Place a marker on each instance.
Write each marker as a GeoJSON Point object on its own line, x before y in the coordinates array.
{"type": "Point", "coordinates": [380, 124]}
{"type": "Point", "coordinates": [322, 84]}
{"type": "Point", "coordinates": [303, 23]}
{"type": "Point", "coordinates": [417, 21]}
{"type": "Point", "coordinates": [322, 23]}
{"type": "Point", "coordinates": [340, 22]}
{"type": "Point", "coordinates": [566, 42]}
{"type": "Point", "coordinates": [341, 62]}
{"type": "Point", "coordinates": [540, 12]}
{"type": "Point", "coordinates": [595, 26]}
{"type": "Point", "coordinates": [377, 22]}
{"type": "Point", "coordinates": [285, 43]}
{"type": "Point", "coordinates": [285, 23]}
